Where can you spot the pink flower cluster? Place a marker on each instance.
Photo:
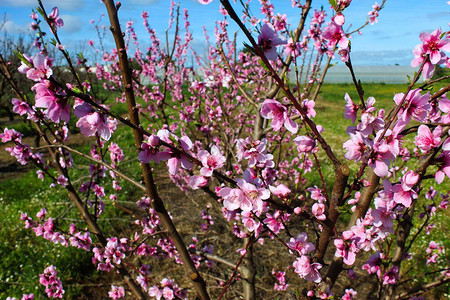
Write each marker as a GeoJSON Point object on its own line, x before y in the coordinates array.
{"type": "Point", "coordinates": [52, 283]}
{"type": "Point", "coordinates": [167, 289]}
{"type": "Point", "coordinates": [24, 297]}
{"type": "Point", "coordinates": [374, 13]}
{"type": "Point", "coordinates": [112, 254]}
{"type": "Point", "coordinates": [93, 122]}
{"type": "Point", "coordinates": [281, 284]}
{"type": "Point", "coordinates": [268, 41]}
{"type": "Point", "coordinates": [307, 270]}
{"type": "Point", "coordinates": [45, 228]}
{"type": "Point", "coordinates": [273, 110]}
{"type": "Point", "coordinates": [246, 197]}
{"type": "Point", "coordinates": [433, 252]}
{"type": "Point", "coordinates": [318, 209]}
{"type": "Point", "coordinates": [431, 52]}
{"type": "Point", "coordinates": [336, 37]}
{"type": "Point", "coordinates": [116, 292]}
{"type": "Point", "coordinates": [21, 152]}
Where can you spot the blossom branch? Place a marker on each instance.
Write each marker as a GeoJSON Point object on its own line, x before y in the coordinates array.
{"type": "Point", "coordinates": [108, 166]}
{"type": "Point", "coordinates": [150, 185]}
{"type": "Point", "coordinates": [281, 83]}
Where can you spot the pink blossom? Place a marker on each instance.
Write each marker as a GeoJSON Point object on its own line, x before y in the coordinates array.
{"type": "Point", "coordinates": [373, 15]}
{"type": "Point", "coordinates": [342, 4]}
{"type": "Point", "coordinates": [281, 278]}
{"type": "Point", "coordinates": [350, 109]}
{"type": "Point", "coordinates": [434, 45]}
{"type": "Point", "coordinates": [356, 146]}
{"type": "Point", "coordinates": [249, 222]}
{"type": "Point", "coordinates": [391, 276]}
{"type": "Point", "coordinates": [419, 58]}
{"type": "Point", "coordinates": [274, 222]}
{"type": "Point", "coordinates": [177, 160]}
{"type": "Point", "coordinates": [21, 152]}
{"type": "Point", "coordinates": [426, 140]}
{"type": "Point", "coordinates": [116, 292]}
{"type": "Point", "coordinates": [52, 283]}
{"type": "Point", "coordinates": [57, 108]}
{"type": "Point", "coordinates": [316, 194]}
{"type": "Point", "coordinates": [280, 22]}
{"type": "Point", "coordinates": [54, 18]}
{"type": "Point", "coordinates": [335, 36]}
{"type": "Point", "coordinates": [305, 144]}
{"type": "Point", "coordinates": [268, 41]}
{"type": "Point", "coordinates": [384, 152]}
{"type": "Point", "coordinates": [446, 145]}
{"type": "Point", "coordinates": [415, 105]}
{"type": "Point", "coordinates": [382, 218]}
{"type": "Point", "coordinates": [253, 194]}
{"type": "Point", "coordinates": [301, 244]}
{"type": "Point", "coordinates": [318, 210]}
{"type": "Point", "coordinates": [349, 294]}
{"type": "Point", "coordinates": [280, 191]}
{"type": "Point", "coordinates": [234, 199]}
{"type": "Point", "coordinates": [10, 135]}
{"type": "Point", "coordinates": [372, 266]}
{"type": "Point", "coordinates": [210, 162]}
{"type": "Point", "coordinates": [272, 109]}
{"type": "Point", "coordinates": [292, 48]}
{"type": "Point", "coordinates": [41, 68]}
{"type": "Point", "coordinates": [369, 121]}
{"type": "Point", "coordinates": [444, 167]}
{"type": "Point", "coordinates": [196, 182]}
{"type": "Point", "coordinates": [150, 151]}
{"type": "Point", "coordinates": [308, 107]}
{"type": "Point", "coordinates": [409, 180]}
{"type": "Point", "coordinates": [347, 250]}
{"type": "Point", "coordinates": [91, 121]}
{"type": "Point", "coordinates": [20, 107]}
{"type": "Point", "coordinates": [403, 197]}
{"type": "Point", "coordinates": [255, 151]}
{"type": "Point", "coordinates": [306, 270]}
{"type": "Point", "coordinates": [339, 19]}
{"type": "Point", "coordinates": [204, 2]}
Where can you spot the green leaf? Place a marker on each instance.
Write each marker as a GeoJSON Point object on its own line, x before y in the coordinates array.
{"type": "Point", "coordinates": [173, 139]}
{"type": "Point", "coordinates": [41, 12]}
{"type": "Point", "coordinates": [77, 90]}
{"type": "Point", "coordinates": [333, 3]}
{"type": "Point", "coordinates": [263, 65]}
{"type": "Point", "coordinates": [23, 59]}
{"type": "Point", "coordinates": [409, 78]}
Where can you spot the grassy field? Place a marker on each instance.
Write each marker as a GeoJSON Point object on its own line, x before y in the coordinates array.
{"type": "Point", "coordinates": [24, 255]}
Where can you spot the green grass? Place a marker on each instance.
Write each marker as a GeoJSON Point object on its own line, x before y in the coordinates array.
{"type": "Point", "coordinates": [24, 255]}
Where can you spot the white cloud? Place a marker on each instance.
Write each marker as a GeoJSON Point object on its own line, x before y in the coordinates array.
{"type": "Point", "coordinates": [12, 28]}
{"type": "Point", "coordinates": [48, 4]}
{"type": "Point", "coordinates": [71, 23]}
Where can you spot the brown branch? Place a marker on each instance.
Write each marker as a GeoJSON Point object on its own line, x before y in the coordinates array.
{"type": "Point", "coordinates": [340, 184]}
{"type": "Point", "coordinates": [423, 288]}
{"type": "Point", "coordinates": [227, 285]}
{"type": "Point", "coordinates": [297, 32]}
{"type": "Point", "coordinates": [356, 82]}
{"type": "Point", "coordinates": [118, 173]}
{"type": "Point", "coordinates": [150, 185]}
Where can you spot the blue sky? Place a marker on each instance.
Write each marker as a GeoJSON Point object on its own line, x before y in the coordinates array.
{"type": "Point", "coordinates": [386, 43]}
